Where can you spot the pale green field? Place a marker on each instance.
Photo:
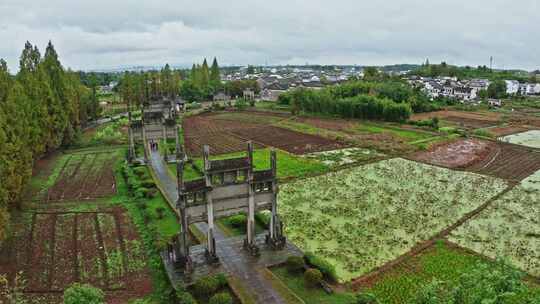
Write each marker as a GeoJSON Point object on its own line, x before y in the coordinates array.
{"type": "Point", "coordinates": [509, 229]}
{"type": "Point", "coordinates": [344, 156]}
{"type": "Point", "coordinates": [529, 138]}
{"type": "Point", "coordinates": [360, 218]}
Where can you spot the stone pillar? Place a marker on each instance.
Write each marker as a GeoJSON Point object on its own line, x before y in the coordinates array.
{"type": "Point", "coordinates": [145, 143]}
{"type": "Point", "coordinates": [273, 164]}
{"type": "Point", "coordinates": [211, 242]}
{"type": "Point", "coordinates": [182, 249]}
{"type": "Point", "coordinates": [251, 199]}
{"type": "Point", "coordinates": [275, 238]}
{"type": "Point", "coordinates": [164, 135]}
{"type": "Point", "coordinates": [131, 149]}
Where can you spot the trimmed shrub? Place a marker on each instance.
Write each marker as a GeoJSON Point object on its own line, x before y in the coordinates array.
{"type": "Point", "coordinates": [326, 268]}
{"type": "Point", "coordinates": [139, 171]}
{"type": "Point", "coordinates": [366, 298]}
{"type": "Point", "coordinates": [238, 221]}
{"type": "Point", "coordinates": [221, 298]}
{"type": "Point", "coordinates": [294, 263]}
{"type": "Point", "coordinates": [148, 183]}
{"type": "Point", "coordinates": [185, 297]}
{"type": "Point", "coordinates": [313, 277]}
{"type": "Point", "coordinates": [222, 280]}
{"type": "Point", "coordinates": [160, 211]}
{"type": "Point", "coordinates": [263, 218]}
{"type": "Point", "coordinates": [151, 193]}
{"type": "Point", "coordinates": [83, 294]}
{"type": "Point", "coordinates": [141, 205]}
{"type": "Point", "coordinates": [207, 286]}
{"type": "Point", "coordinates": [241, 104]}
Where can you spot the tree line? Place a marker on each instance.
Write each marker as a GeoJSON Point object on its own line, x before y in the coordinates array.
{"type": "Point", "coordinates": [203, 82]}
{"type": "Point", "coordinates": [42, 107]}
{"type": "Point", "coordinates": [139, 87]}
{"type": "Point", "coordinates": [387, 100]}
{"type": "Point", "coordinates": [467, 72]}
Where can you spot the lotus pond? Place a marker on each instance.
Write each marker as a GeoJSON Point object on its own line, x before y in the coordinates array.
{"type": "Point", "coordinates": [358, 219]}
{"type": "Point", "coordinates": [510, 228]}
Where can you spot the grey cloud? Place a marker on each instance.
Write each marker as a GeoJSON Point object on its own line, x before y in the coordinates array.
{"type": "Point", "coordinates": [100, 34]}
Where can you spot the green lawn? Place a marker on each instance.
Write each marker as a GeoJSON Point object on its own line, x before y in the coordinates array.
{"type": "Point", "coordinates": [441, 262]}
{"type": "Point", "coordinates": [288, 165]}
{"type": "Point", "coordinates": [315, 295]}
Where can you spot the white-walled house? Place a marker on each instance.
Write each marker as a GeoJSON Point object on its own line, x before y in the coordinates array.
{"type": "Point", "coordinates": [512, 87]}
{"type": "Point", "coordinates": [465, 93]}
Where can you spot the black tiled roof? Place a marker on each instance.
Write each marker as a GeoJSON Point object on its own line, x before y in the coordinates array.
{"type": "Point", "coordinates": [195, 185]}
{"type": "Point", "coordinates": [229, 164]}
{"type": "Point", "coordinates": [260, 176]}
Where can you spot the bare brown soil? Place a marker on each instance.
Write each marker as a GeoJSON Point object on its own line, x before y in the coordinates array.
{"type": "Point", "coordinates": [383, 142]}
{"type": "Point", "coordinates": [288, 140]}
{"type": "Point", "coordinates": [469, 120]}
{"type": "Point", "coordinates": [89, 176]}
{"type": "Point", "coordinates": [487, 116]}
{"type": "Point", "coordinates": [58, 249]}
{"type": "Point", "coordinates": [226, 136]}
{"type": "Point", "coordinates": [508, 161]}
{"type": "Point", "coordinates": [456, 154]}
{"type": "Point", "coordinates": [507, 130]}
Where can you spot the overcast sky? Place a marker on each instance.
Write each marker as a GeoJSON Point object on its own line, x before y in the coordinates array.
{"type": "Point", "coordinates": [106, 34]}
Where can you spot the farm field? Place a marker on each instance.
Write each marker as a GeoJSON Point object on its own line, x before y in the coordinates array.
{"type": "Point", "coordinates": [384, 137]}
{"type": "Point", "coordinates": [55, 249]}
{"type": "Point", "coordinates": [506, 130]}
{"type": "Point", "coordinates": [82, 176]}
{"type": "Point", "coordinates": [317, 125]}
{"type": "Point", "coordinates": [456, 154]}
{"type": "Point", "coordinates": [509, 228]}
{"type": "Point", "coordinates": [228, 132]}
{"type": "Point", "coordinates": [360, 218]}
{"type": "Point", "coordinates": [528, 139]}
{"type": "Point", "coordinates": [443, 262]}
{"type": "Point", "coordinates": [507, 161]}
{"type": "Point", "coordinates": [468, 120]}
{"type": "Point", "coordinates": [345, 156]}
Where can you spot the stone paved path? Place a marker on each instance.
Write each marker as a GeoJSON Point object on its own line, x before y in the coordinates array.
{"type": "Point", "coordinates": [233, 259]}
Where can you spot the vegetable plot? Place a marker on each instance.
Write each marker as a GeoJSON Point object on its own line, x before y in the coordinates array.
{"type": "Point", "coordinates": [360, 218]}
{"type": "Point", "coordinates": [529, 138]}
{"type": "Point", "coordinates": [510, 228]}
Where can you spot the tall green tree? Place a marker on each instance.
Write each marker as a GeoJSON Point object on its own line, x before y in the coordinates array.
{"type": "Point", "coordinates": [40, 108]}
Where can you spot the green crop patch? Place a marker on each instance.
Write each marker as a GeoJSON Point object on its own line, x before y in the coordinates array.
{"type": "Point", "coordinates": [358, 219]}
{"type": "Point", "coordinates": [508, 228]}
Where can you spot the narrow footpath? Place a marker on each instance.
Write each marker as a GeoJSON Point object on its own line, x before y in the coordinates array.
{"type": "Point", "coordinates": [235, 260]}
